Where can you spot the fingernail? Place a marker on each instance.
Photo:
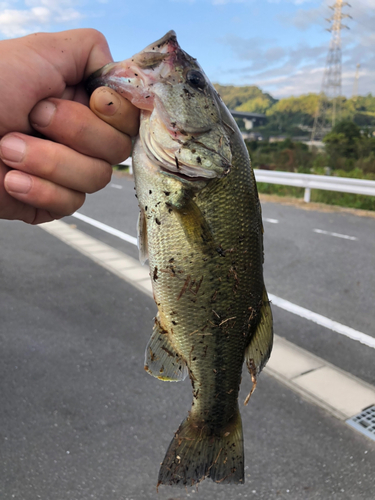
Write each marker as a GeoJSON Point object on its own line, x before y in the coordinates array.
{"type": "Point", "coordinates": [12, 149]}
{"type": "Point", "coordinates": [17, 182]}
{"type": "Point", "coordinates": [106, 102]}
{"type": "Point", "coordinates": [42, 113]}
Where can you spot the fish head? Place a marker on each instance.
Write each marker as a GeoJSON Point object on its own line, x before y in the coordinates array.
{"type": "Point", "coordinates": [182, 125]}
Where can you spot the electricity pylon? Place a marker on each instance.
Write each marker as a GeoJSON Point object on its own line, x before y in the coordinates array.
{"type": "Point", "coordinates": [329, 100]}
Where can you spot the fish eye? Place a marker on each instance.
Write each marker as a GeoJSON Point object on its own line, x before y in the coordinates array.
{"type": "Point", "coordinates": [195, 79]}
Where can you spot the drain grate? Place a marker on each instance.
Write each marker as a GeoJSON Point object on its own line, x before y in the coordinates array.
{"type": "Point", "coordinates": [364, 422]}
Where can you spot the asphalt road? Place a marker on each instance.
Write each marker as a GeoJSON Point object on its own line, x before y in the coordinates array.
{"type": "Point", "coordinates": [80, 419]}
{"type": "Point", "coordinates": [330, 275]}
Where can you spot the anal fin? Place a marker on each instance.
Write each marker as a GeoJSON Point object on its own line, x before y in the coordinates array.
{"type": "Point", "coordinates": [259, 349]}
{"type": "Point", "coordinates": [162, 359]}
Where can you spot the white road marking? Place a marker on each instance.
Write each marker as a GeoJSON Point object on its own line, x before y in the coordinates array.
{"type": "Point", "coordinates": [363, 338]}
{"type": "Point", "coordinates": [315, 379]}
{"type": "Point", "coordinates": [272, 221]}
{"type": "Point", "coordinates": [116, 186]}
{"type": "Point", "coordinates": [337, 235]}
{"type": "Point", "coordinates": [107, 229]}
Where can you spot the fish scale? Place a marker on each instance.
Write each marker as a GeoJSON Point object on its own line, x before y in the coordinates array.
{"type": "Point", "coordinates": [200, 227]}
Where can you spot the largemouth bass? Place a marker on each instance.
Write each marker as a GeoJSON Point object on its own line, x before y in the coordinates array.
{"type": "Point", "coordinates": [200, 226]}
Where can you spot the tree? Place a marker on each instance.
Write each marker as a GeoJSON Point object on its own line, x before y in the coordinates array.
{"type": "Point", "coordinates": [342, 144]}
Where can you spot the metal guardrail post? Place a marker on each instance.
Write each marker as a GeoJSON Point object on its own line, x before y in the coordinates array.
{"type": "Point", "coordinates": [307, 195]}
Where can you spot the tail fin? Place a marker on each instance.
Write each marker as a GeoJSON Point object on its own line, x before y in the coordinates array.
{"type": "Point", "coordinates": [196, 453]}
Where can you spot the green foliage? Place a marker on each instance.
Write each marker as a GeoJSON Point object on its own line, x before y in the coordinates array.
{"type": "Point", "coordinates": [296, 157]}
{"type": "Point", "coordinates": [303, 105]}
{"type": "Point", "coordinates": [247, 98]}
{"type": "Point", "coordinates": [349, 147]}
{"type": "Point", "coordinates": [294, 115]}
{"type": "Point", "coordinates": [285, 155]}
{"type": "Point", "coordinates": [123, 168]}
{"type": "Point", "coordinates": [259, 104]}
{"type": "Point", "coordinates": [320, 196]}
{"type": "Point", "coordinates": [348, 128]}
{"type": "Point", "coordinates": [343, 199]}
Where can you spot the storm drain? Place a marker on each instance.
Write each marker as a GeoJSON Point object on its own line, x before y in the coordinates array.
{"type": "Point", "coordinates": [364, 422]}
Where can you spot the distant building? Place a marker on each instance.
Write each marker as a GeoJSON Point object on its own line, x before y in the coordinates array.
{"type": "Point", "coordinates": [252, 136]}
{"type": "Point", "coordinates": [250, 120]}
{"type": "Point", "coordinates": [279, 138]}
{"type": "Point", "coordinates": [315, 144]}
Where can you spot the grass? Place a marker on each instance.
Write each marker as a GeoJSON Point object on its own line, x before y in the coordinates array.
{"type": "Point", "coordinates": [319, 196]}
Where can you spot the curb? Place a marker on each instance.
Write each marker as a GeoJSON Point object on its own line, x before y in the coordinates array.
{"type": "Point", "coordinates": [341, 394]}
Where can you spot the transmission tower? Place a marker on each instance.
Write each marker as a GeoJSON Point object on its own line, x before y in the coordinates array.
{"type": "Point", "coordinates": [329, 100]}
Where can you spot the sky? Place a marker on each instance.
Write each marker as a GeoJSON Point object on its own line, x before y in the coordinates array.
{"type": "Point", "coordinates": [279, 45]}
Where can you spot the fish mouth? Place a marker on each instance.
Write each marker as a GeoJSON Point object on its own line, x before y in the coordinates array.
{"type": "Point", "coordinates": [162, 62]}
{"type": "Point", "coordinates": [145, 80]}
{"type": "Point", "coordinates": [96, 80]}
{"type": "Point", "coordinates": [168, 39]}
{"type": "Point", "coordinates": [132, 76]}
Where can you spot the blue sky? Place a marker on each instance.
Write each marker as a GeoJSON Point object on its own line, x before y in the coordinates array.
{"type": "Point", "coordinates": [279, 45]}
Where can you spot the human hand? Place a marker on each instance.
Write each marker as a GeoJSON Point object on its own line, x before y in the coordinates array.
{"type": "Point", "coordinates": [46, 177]}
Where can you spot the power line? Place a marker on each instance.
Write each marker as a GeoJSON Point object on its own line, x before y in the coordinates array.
{"type": "Point", "coordinates": [329, 106]}
{"type": "Point", "coordinates": [355, 84]}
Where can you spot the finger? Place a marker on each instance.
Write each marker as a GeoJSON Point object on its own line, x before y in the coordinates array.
{"type": "Point", "coordinates": [13, 209]}
{"type": "Point", "coordinates": [76, 93]}
{"type": "Point", "coordinates": [43, 64]}
{"type": "Point", "coordinates": [55, 162]}
{"type": "Point", "coordinates": [75, 53]}
{"type": "Point", "coordinates": [76, 126]}
{"type": "Point", "coordinates": [115, 110]}
{"type": "Point", "coordinates": [10, 208]}
{"type": "Point", "coordinates": [42, 194]}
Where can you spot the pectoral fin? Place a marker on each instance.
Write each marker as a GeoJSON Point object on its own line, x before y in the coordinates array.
{"type": "Point", "coordinates": [162, 359]}
{"type": "Point", "coordinates": [195, 226]}
{"type": "Point", "coordinates": [258, 351]}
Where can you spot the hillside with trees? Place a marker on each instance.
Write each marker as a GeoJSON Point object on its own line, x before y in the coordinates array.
{"type": "Point", "coordinates": [294, 116]}
{"type": "Point", "coordinates": [349, 148]}
{"type": "Point", "coordinates": [247, 98]}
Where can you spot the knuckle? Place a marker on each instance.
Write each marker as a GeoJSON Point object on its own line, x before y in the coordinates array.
{"type": "Point", "coordinates": [103, 174]}
{"type": "Point", "coordinates": [70, 203]}
{"type": "Point", "coordinates": [41, 157]}
{"type": "Point", "coordinates": [78, 202]}
{"type": "Point", "coordinates": [57, 199]}
{"type": "Point", "coordinates": [48, 162]}
{"type": "Point", "coordinates": [96, 35]}
{"type": "Point", "coordinates": [123, 152]}
{"type": "Point", "coordinates": [107, 174]}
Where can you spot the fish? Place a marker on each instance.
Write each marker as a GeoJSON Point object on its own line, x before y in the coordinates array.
{"type": "Point", "coordinates": [200, 227]}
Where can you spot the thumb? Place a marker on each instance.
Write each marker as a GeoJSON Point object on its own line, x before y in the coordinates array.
{"type": "Point", "coordinates": [115, 110]}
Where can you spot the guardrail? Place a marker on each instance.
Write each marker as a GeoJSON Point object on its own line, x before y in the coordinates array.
{"type": "Point", "coordinates": [310, 181]}
{"type": "Point", "coordinates": [307, 181]}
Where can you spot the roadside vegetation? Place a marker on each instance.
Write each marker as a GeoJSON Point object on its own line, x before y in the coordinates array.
{"type": "Point", "coordinates": [349, 148]}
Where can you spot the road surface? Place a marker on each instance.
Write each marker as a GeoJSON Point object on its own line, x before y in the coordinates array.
{"type": "Point", "coordinates": [81, 419]}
